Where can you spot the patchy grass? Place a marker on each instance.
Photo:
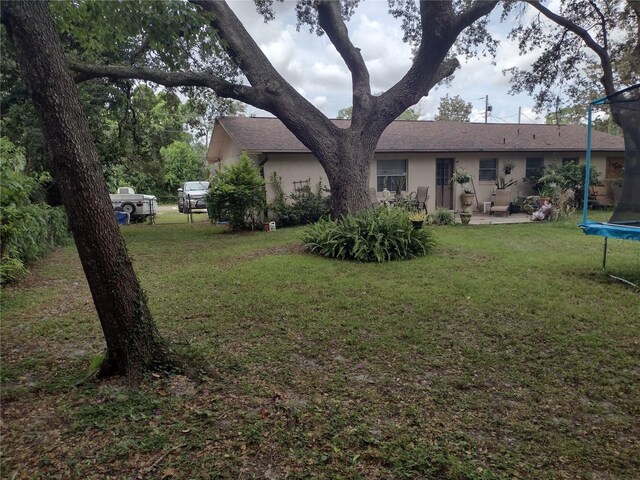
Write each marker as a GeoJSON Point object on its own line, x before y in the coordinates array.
{"type": "Point", "coordinates": [505, 354]}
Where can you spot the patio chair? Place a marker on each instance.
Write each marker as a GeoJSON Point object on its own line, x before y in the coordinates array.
{"type": "Point", "coordinates": [501, 202]}
{"type": "Point", "coordinates": [422, 195]}
{"type": "Point", "coordinates": [373, 197]}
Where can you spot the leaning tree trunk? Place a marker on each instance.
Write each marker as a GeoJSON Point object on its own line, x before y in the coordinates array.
{"type": "Point", "coordinates": [133, 342]}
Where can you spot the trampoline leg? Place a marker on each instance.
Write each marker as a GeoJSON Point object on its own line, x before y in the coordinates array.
{"type": "Point", "coordinates": [604, 256]}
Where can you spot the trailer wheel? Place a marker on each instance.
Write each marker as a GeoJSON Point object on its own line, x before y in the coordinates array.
{"type": "Point", "coordinates": [130, 208]}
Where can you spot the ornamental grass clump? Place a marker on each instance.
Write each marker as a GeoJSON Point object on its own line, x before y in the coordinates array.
{"type": "Point", "coordinates": [376, 235]}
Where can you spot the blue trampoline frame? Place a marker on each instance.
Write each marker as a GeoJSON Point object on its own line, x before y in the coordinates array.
{"type": "Point", "coordinates": [603, 229]}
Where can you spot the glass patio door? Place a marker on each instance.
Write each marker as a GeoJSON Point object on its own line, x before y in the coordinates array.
{"type": "Point", "coordinates": [444, 191]}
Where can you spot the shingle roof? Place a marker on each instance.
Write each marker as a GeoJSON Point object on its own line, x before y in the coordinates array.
{"type": "Point", "coordinates": [262, 134]}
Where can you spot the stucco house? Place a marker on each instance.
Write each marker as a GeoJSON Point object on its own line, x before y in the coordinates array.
{"type": "Point", "coordinates": [424, 153]}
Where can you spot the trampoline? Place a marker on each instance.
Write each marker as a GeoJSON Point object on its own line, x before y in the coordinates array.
{"type": "Point", "coordinates": [625, 220]}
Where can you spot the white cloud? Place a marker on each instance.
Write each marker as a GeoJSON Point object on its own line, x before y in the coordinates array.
{"type": "Point", "coordinates": [320, 102]}
{"type": "Point", "coordinates": [333, 77]}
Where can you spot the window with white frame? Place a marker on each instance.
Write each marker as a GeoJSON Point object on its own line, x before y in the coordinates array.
{"type": "Point", "coordinates": [534, 167]}
{"type": "Point", "coordinates": [392, 175]}
{"type": "Point", "coordinates": [488, 171]}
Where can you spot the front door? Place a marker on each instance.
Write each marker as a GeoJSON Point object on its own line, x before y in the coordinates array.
{"type": "Point", "coordinates": [444, 192]}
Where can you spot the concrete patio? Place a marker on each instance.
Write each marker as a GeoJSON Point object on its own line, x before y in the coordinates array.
{"type": "Point", "coordinates": [486, 219]}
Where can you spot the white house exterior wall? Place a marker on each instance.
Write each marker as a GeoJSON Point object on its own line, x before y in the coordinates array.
{"type": "Point", "coordinates": [421, 170]}
{"type": "Point", "coordinates": [292, 167]}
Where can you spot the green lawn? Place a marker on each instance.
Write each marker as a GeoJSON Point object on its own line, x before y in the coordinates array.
{"type": "Point", "coordinates": [505, 354]}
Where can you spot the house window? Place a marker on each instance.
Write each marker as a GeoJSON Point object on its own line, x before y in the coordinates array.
{"type": "Point", "coordinates": [488, 170]}
{"type": "Point", "coordinates": [392, 175]}
{"type": "Point", "coordinates": [569, 160]}
{"type": "Point", "coordinates": [534, 167]}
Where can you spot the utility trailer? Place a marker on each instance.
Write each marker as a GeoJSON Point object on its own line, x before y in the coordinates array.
{"type": "Point", "coordinates": [138, 206]}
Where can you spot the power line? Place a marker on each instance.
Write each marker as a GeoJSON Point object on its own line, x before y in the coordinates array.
{"type": "Point", "coordinates": [525, 116]}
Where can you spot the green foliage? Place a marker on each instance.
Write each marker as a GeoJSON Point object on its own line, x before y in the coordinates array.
{"type": "Point", "coordinates": [101, 31]}
{"type": "Point", "coordinates": [345, 113]}
{"type": "Point", "coordinates": [409, 114]}
{"type": "Point", "coordinates": [148, 146]}
{"type": "Point", "coordinates": [559, 179]}
{"type": "Point", "coordinates": [461, 176]}
{"type": "Point", "coordinates": [454, 109]}
{"type": "Point", "coordinates": [306, 206]}
{"type": "Point", "coordinates": [566, 75]}
{"type": "Point", "coordinates": [237, 193]}
{"type": "Point", "coordinates": [442, 216]}
{"type": "Point", "coordinates": [375, 235]}
{"type": "Point", "coordinates": [182, 163]}
{"type": "Point", "coordinates": [28, 228]}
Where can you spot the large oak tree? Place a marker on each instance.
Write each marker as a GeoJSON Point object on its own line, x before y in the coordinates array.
{"type": "Point", "coordinates": [344, 153]}
{"type": "Point", "coordinates": [133, 342]}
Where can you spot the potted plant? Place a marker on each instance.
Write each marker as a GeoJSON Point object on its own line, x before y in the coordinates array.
{"type": "Point", "coordinates": [462, 178]}
{"type": "Point", "coordinates": [465, 217]}
{"type": "Point", "coordinates": [502, 183]}
{"type": "Point", "coordinates": [546, 192]}
{"type": "Point", "coordinates": [508, 167]}
{"type": "Point", "coordinates": [417, 218]}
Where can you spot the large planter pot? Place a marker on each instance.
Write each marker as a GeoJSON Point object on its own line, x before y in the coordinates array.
{"type": "Point", "coordinates": [465, 217]}
{"type": "Point", "coordinates": [467, 202]}
{"type": "Point", "coordinates": [417, 224]}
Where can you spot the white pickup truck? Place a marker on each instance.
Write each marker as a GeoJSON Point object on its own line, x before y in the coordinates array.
{"type": "Point", "coordinates": [137, 205]}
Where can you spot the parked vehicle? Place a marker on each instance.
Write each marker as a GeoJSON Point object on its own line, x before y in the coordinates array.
{"type": "Point", "coordinates": [191, 196]}
{"type": "Point", "coordinates": [137, 205]}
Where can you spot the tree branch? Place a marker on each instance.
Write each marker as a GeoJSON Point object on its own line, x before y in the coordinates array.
{"type": "Point", "coordinates": [311, 126]}
{"type": "Point", "coordinates": [141, 50]}
{"type": "Point", "coordinates": [330, 19]}
{"type": "Point", "coordinates": [479, 9]}
{"type": "Point", "coordinates": [222, 87]}
{"type": "Point", "coordinates": [241, 47]}
{"type": "Point", "coordinates": [440, 28]}
{"type": "Point", "coordinates": [605, 60]}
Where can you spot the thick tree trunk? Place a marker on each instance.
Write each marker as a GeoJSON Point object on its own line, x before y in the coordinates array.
{"type": "Point", "coordinates": [348, 170]}
{"type": "Point", "coordinates": [133, 342]}
{"type": "Point", "coordinates": [345, 155]}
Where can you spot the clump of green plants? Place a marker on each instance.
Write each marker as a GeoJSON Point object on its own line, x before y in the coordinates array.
{"type": "Point", "coordinates": [304, 206]}
{"type": "Point", "coordinates": [376, 235]}
{"type": "Point", "coordinates": [442, 216]}
{"type": "Point", "coordinates": [237, 193]}
{"type": "Point", "coordinates": [28, 226]}
{"type": "Point", "coordinates": [567, 180]}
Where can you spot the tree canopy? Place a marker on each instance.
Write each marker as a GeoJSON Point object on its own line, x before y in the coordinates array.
{"type": "Point", "coordinates": [589, 47]}
{"type": "Point", "coordinates": [203, 44]}
{"type": "Point", "coordinates": [454, 109]}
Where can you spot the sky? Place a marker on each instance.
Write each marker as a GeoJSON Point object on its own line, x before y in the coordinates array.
{"type": "Point", "coordinates": [314, 67]}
